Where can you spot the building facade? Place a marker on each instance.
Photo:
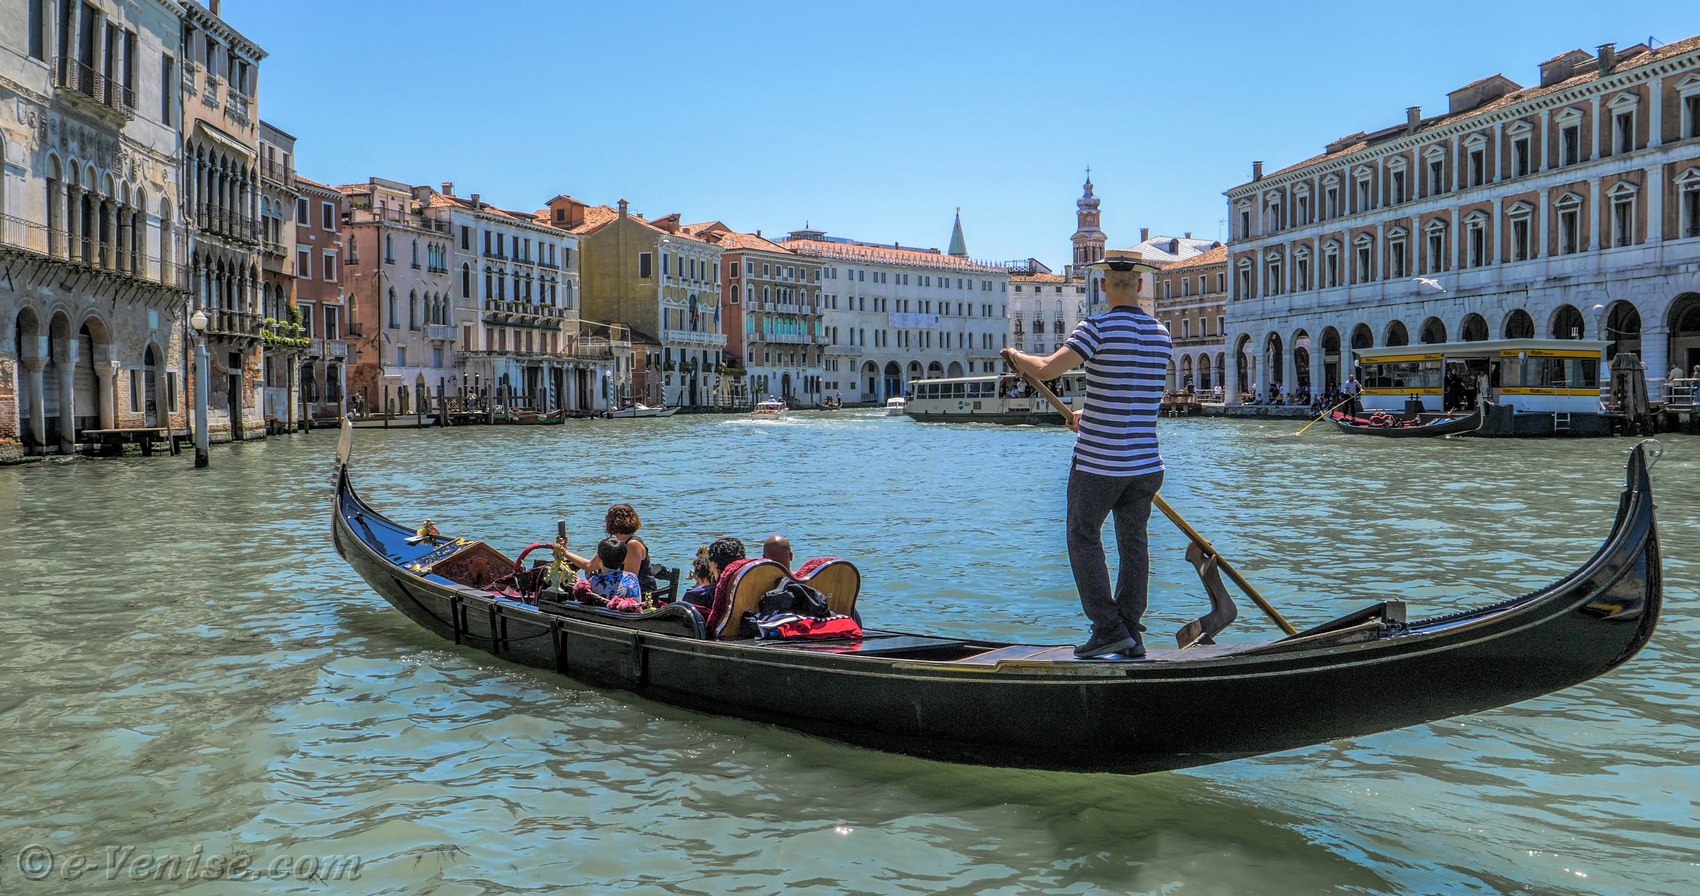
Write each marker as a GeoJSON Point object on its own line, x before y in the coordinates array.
{"type": "Point", "coordinates": [1191, 298]}
{"type": "Point", "coordinates": [93, 331]}
{"type": "Point", "coordinates": [774, 331]}
{"type": "Point", "coordinates": [316, 220]}
{"type": "Point", "coordinates": [516, 304]}
{"type": "Point", "coordinates": [661, 282]}
{"type": "Point", "coordinates": [283, 330]}
{"type": "Point", "coordinates": [894, 314]}
{"type": "Point", "coordinates": [399, 293]}
{"type": "Point", "coordinates": [1569, 209]}
{"type": "Point", "coordinates": [221, 195]}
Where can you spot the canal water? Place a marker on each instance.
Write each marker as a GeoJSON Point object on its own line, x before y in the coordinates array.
{"type": "Point", "coordinates": [188, 669]}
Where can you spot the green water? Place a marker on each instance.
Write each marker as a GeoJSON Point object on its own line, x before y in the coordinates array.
{"type": "Point", "coordinates": [188, 666]}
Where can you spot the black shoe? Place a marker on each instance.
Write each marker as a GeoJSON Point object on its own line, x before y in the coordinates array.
{"type": "Point", "coordinates": [1104, 645]}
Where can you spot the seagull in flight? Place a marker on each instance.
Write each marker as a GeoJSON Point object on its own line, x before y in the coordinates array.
{"type": "Point", "coordinates": [1429, 282]}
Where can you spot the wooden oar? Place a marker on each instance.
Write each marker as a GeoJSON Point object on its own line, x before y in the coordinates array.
{"type": "Point", "coordinates": [1174, 516]}
{"type": "Point", "coordinates": [1324, 414]}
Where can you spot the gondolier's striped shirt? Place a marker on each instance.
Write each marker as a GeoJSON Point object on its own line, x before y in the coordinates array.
{"type": "Point", "coordinates": [1127, 355]}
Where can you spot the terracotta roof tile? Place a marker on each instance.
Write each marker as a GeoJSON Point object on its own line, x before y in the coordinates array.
{"type": "Point", "coordinates": [1218, 255]}
{"type": "Point", "coordinates": [865, 254]}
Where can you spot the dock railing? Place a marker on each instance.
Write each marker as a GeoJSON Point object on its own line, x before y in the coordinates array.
{"type": "Point", "coordinates": [1679, 394]}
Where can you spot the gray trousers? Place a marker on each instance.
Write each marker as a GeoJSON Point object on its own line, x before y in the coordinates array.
{"type": "Point", "coordinates": [1092, 498]}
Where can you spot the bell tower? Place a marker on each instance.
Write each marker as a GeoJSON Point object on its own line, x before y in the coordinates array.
{"type": "Point", "coordinates": [1088, 239]}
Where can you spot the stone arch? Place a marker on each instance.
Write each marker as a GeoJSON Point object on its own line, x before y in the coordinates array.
{"type": "Point", "coordinates": [1186, 381]}
{"type": "Point", "coordinates": [955, 369]}
{"type": "Point", "coordinates": [1474, 328]}
{"type": "Point", "coordinates": [29, 342]}
{"type": "Point", "coordinates": [1247, 363]}
{"type": "Point", "coordinates": [1362, 337]}
{"type": "Point", "coordinates": [893, 385]}
{"type": "Point", "coordinates": [1684, 322]}
{"type": "Point", "coordinates": [1301, 347]}
{"type": "Point", "coordinates": [935, 370]}
{"type": "Point", "coordinates": [155, 400]}
{"type": "Point", "coordinates": [1622, 329]}
{"type": "Point", "coordinates": [1567, 323]}
{"type": "Point", "coordinates": [1396, 334]}
{"type": "Point", "coordinates": [1433, 332]}
{"type": "Point", "coordinates": [1518, 325]}
{"type": "Point", "coordinates": [1273, 358]}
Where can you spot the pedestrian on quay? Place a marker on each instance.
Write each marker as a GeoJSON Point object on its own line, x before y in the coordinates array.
{"type": "Point", "coordinates": [1117, 468]}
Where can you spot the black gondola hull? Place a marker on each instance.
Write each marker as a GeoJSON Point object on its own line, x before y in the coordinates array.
{"type": "Point", "coordinates": [1458, 426]}
{"type": "Point", "coordinates": [1182, 708]}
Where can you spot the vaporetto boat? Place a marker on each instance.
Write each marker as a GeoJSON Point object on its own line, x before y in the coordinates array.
{"type": "Point", "coordinates": [990, 399]}
{"type": "Point", "coordinates": [973, 700]}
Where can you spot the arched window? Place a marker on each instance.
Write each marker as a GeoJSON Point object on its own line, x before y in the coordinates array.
{"type": "Point", "coordinates": [393, 317]}
{"type": "Point", "coordinates": [389, 248]}
{"type": "Point", "coordinates": [413, 310]}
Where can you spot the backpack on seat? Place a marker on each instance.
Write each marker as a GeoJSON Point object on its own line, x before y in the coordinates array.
{"type": "Point", "coordinates": [792, 596]}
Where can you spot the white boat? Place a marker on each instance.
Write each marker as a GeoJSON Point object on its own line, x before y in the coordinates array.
{"type": "Point", "coordinates": [894, 406]}
{"type": "Point", "coordinates": [991, 398]}
{"type": "Point", "coordinates": [639, 409]}
{"type": "Point", "coordinates": [770, 406]}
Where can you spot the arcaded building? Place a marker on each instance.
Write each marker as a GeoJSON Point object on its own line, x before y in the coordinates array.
{"type": "Point", "coordinates": [1567, 209]}
{"type": "Point", "coordinates": [92, 283]}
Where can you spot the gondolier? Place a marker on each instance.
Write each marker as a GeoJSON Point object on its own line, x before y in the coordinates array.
{"type": "Point", "coordinates": [1117, 468]}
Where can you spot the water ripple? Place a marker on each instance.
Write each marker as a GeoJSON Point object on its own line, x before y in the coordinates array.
{"type": "Point", "coordinates": [188, 664]}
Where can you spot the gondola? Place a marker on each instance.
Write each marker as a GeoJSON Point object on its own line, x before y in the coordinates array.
{"type": "Point", "coordinates": [1405, 430]}
{"type": "Point", "coordinates": [971, 700]}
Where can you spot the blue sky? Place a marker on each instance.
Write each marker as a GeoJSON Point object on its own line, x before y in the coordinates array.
{"type": "Point", "coordinates": [875, 120]}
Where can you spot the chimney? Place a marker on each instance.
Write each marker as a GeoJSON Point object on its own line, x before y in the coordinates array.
{"type": "Point", "coordinates": [212, 5]}
{"type": "Point", "coordinates": [475, 202]}
{"type": "Point", "coordinates": [448, 188]}
{"type": "Point", "coordinates": [1413, 118]}
{"type": "Point", "coordinates": [758, 232]}
{"type": "Point", "coordinates": [622, 208]}
{"type": "Point", "coordinates": [1608, 58]}
{"type": "Point", "coordinates": [1189, 234]}
{"type": "Point", "coordinates": [1256, 170]}
{"type": "Point", "coordinates": [1144, 234]}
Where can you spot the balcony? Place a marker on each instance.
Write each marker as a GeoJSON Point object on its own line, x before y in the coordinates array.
{"type": "Point", "coordinates": [28, 241]}
{"type": "Point", "coordinates": [238, 107]}
{"type": "Point", "coordinates": [96, 90]}
{"type": "Point", "coordinates": [226, 325]}
{"type": "Point", "coordinates": [278, 173]}
{"type": "Point", "coordinates": [237, 226]}
{"type": "Point", "coordinates": [397, 218]}
{"type": "Point", "coordinates": [281, 335]}
{"type": "Point", "coordinates": [440, 332]}
{"type": "Point", "coordinates": [692, 337]}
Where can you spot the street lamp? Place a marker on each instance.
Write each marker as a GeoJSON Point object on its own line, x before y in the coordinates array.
{"type": "Point", "coordinates": [198, 322]}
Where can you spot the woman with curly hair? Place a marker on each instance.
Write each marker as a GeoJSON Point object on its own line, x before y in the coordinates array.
{"type": "Point", "coordinates": [622, 522]}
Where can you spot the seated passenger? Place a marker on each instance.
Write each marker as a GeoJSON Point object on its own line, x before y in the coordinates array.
{"type": "Point", "coordinates": [622, 522]}
{"type": "Point", "coordinates": [716, 557]}
{"type": "Point", "coordinates": [611, 586]}
{"type": "Point", "coordinates": [778, 549]}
